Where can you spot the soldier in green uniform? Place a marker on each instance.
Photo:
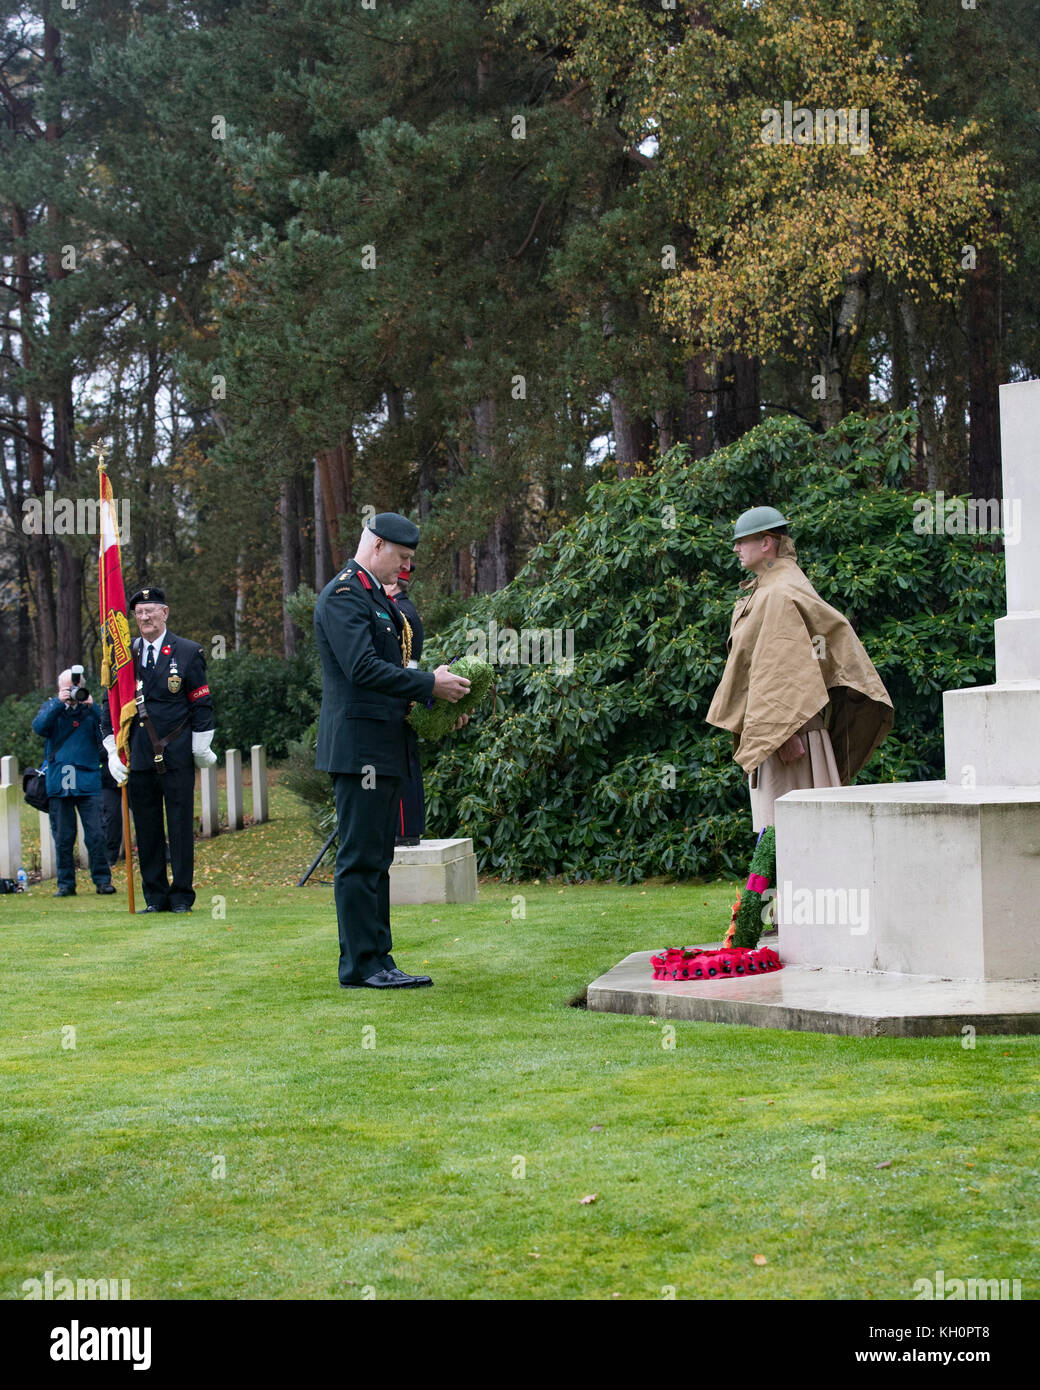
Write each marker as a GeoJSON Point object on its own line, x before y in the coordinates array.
{"type": "Point", "coordinates": [366, 695]}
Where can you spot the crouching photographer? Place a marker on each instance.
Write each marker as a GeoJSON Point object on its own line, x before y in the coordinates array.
{"type": "Point", "coordinates": [71, 726]}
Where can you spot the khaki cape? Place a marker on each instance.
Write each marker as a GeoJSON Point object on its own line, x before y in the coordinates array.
{"type": "Point", "coordinates": [776, 679]}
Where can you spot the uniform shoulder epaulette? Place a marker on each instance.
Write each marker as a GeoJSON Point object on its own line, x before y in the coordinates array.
{"type": "Point", "coordinates": [347, 574]}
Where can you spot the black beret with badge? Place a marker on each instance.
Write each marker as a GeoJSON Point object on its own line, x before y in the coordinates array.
{"type": "Point", "coordinates": [392, 527]}
{"type": "Point", "coordinates": [146, 596]}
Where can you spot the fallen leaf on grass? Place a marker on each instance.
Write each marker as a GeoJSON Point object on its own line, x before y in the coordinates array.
{"type": "Point", "coordinates": [886, 1164]}
{"type": "Point", "coordinates": [595, 1127]}
{"type": "Point", "coordinates": [760, 1259]}
{"type": "Point", "coordinates": [589, 1199]}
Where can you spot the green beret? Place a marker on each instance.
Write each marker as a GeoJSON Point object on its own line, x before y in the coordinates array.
{"type": "Point", "coordinates": [393, 527]}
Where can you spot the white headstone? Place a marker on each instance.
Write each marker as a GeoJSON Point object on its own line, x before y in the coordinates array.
{"type": "Point", "coordinates": [235, 813]}
{"type": "Point", "coordinates": [258, 760]}
{"type": "Point", "coordinates": [10, 829]}
{"type": "Point", "coordinates": [48, 858]}
{"type": "Point", "coordinates": [210, 803]}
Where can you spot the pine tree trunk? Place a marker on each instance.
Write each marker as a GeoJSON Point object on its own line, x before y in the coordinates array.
{"type": "Point", "coordinates": [39, 542]}
{"type": "Point", "coordinates": [738, 396]}
{"type": "Point", "coordinates": [322, 548]}
{"type": "Point", "coordinates": [289, 526]}
{"type": "Point", "coordinates": [925, 394]}
{"type": "Point", "coordinates": [495, 555]}
{"type": "Point", "coordinates": [843, 337]}
{"type": "Point", "coordinates": [631, 432]}
{"type": "Point", "coordinates": [240, 601]}
{"type": "Point", "coordinates": [900, 389]}
{"type": "Point", "coordinates": [697, 427]}
{"type": "Point", "coordinates": [336, 474]}
{"type": "Point", "coordinates": [70, 564]}
{"type": "Point", "coordinates": [985, 369]}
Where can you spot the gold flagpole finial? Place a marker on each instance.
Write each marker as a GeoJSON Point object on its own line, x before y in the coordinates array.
{"type": "Point", "coordinates": [100, 452]}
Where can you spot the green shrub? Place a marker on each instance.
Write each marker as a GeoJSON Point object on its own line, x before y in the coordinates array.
{"type": "Point", "coordinates": [609, 770]}
{"type": "Point", "coordinates": [262, 699]}
{"type": "Point", "coordinates": [17, 713]}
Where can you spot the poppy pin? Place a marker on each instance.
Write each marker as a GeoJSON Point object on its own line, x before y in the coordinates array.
{"type": "Point", "coordinates": [166, 651]}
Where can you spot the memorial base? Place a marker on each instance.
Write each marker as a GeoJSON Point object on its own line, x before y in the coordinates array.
{"type": "Point", "coordinates": [855, 1003]}
{"type": "Point", "coordinates": [434, 871]}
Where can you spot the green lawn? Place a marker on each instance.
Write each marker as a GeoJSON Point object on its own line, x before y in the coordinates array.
{"type": "Point", "coordinates": [395, 1168]}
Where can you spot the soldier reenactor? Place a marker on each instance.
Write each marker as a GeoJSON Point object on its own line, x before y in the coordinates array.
{"type": "Point", "coordinates": [799, 693]}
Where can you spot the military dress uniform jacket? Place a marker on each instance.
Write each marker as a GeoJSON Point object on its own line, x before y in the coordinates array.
{"type": "Point", "coordinates": [410, 611]}
{"type": "Point", "coordinates": [365, 690]}
{"type": "Point", "coordinates": [175, 692]}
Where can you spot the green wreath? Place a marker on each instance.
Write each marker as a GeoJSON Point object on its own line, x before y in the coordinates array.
{"type": "Point", "coordinates": [434, 721]}
{"type": "Point", "coordinates": [747, 915]}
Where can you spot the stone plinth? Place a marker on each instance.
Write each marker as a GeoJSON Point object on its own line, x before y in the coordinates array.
{"type": "Point", "coordinates": [434, 871]}
{"type": "Point", "coordinates": [1017, 646]}
{"type": "Point", "coordinates": [851, 1002]}
{"type": "Point", "coordinates": [992, 734]}
{"type": "Point", "coordinates": [922, 878]}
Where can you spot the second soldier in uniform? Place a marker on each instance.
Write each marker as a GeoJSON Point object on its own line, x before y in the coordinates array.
{"type": "Point", "coordinates": [362, 740]}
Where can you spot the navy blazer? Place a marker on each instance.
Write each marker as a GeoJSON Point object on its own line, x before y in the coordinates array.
{"type": "Point", "coordinates": [366, 692]}
{"type": "Point", "coordinates": [175, 692]}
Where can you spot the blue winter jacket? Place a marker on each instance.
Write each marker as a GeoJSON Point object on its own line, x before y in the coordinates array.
{"type": "Point", "coordinates": [73, 747]}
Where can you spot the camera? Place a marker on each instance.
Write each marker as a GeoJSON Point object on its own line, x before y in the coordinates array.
{"type": "Point", "coordinates": [79, 689]}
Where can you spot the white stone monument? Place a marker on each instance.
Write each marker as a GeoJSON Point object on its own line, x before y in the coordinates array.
{"type": "Point", "coordinates": [945, 875]}
{"type": "Point", "coordinates": [911, 909]}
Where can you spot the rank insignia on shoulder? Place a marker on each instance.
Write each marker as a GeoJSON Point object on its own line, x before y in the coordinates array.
{"type": "Point", "coordinates": [345, 574]}
{"type": "Point", "coordinates": [174, 684]}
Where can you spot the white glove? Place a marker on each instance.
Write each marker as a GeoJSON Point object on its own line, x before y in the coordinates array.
{"type": "Point", "coordinates": [200, 748]}
{"type": "Point", "coordinates": [115, 762]}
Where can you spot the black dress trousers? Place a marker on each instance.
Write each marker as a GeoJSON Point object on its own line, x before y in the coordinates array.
{"type": "Point", "coordinates": [367, 820]}
{"type": "Point", "coordinates": [149, 793]}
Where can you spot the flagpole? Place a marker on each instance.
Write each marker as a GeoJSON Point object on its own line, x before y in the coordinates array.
{"type": "Point", "coordinates": [128, 854]}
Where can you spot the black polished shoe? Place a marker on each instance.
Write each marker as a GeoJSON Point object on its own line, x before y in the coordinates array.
{"type": "Point", "coordinates": [409, 841]}
{"type": "Point", "coordinates": [106, 888]}
{"type": "Point", "coordinates": [65, 893]}
{"type": "Point", "coordinates": [150, 908]}
{"type": "Point", "coordinates": [180, 909]}
{"type": "Point", "coordinates": [391, 979]}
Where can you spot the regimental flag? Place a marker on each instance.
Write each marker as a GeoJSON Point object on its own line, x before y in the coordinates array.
{"type": "Point", "coordinates": [117, 667]}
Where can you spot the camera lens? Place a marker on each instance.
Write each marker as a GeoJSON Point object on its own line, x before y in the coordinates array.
{"type": "Point", "coordinates": [80, 693]}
